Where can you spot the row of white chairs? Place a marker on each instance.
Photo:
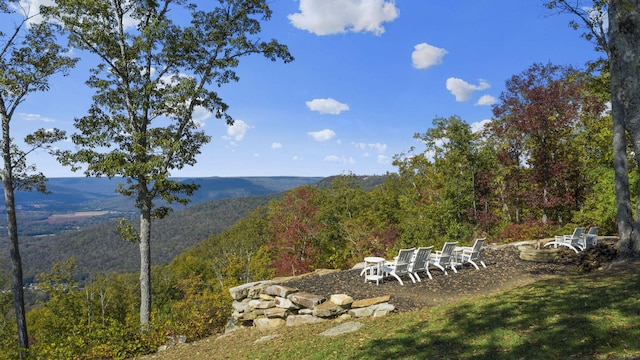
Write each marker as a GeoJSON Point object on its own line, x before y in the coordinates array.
{"type": "Point", "coordinates": [412, 261]}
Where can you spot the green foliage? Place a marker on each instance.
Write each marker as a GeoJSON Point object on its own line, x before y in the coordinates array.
{"type": "Point", "coordinates": [439, 184]}
{"type": "Point", "coordinates": [29, 56]}
{"type": "Point", "coordinates": [460, 186]}
{"type": "Point", "coordinates": [600, 204]}
{"type": "Point", "coordinates": [8, 327]}
{"type": "Point", "coordinates": [148, 83]}
{"type": "Point", "coordinates": [200, 311]}
{"type": "Point", "coordinates": [94, 322]}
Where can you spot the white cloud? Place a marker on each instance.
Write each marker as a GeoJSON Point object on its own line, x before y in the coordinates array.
{"type": "Point", "coordinates": [479, 126]}
{"type": "Point", "coordinates": [276, 146]}
{"type": "Point", "coordinates": [199, 115]}
{"type": "Point", "coordinates": [237, 131]}
{"type": "Point", "coordinates": [327, 106]}
{"type": "Point", "coordinates": [31, 9]}
{"type": "Point", "coordinates": [322, 135]}
{"type": "Point", "coordinates": [486, 100]}
{"type": "Point", "coordinates": [380, 148]}
{"type": "Point", "coordinates": [339, 159]}
{"type": "Point", "coordinates": [326, 17]}
{"type": "Point", "coordinates": [462, 90]}
{"type": "Point", "coordinates": [35, 117]}
{"type": "Point", "coordinates": [425, 56]}
{"type": "Point", "coordinates": [384, 159]}
{"type": "Point", "coordinates": [598, 17]}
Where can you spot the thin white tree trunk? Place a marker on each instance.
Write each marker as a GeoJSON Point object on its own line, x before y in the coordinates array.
{"type": "Point", "coordinates": [145, 268]}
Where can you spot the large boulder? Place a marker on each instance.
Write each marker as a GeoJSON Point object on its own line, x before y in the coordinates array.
{"type": "Point", "coordinates": [279, 290]}
{"type": "Point", "coordinates": [306, 299]}
{"type": "Point", "coordinates": [268, 324]}
{"type": "Point", "coordinates": [242, 291]}
{"type": "Point", "coordinates": [328, 309]}
{"type": "Point", "coordinates": [341, 299]}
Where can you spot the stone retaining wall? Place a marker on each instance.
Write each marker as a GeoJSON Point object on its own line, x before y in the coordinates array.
{"type": "Point", "coordinates": [268, 305]}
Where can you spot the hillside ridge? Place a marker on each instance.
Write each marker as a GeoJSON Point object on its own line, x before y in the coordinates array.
{"type": "Point", "coordinates": [93, 240]}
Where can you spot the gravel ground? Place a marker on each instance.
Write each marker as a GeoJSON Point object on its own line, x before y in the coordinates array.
{"type": "Point", "coordinates": [504, 269]}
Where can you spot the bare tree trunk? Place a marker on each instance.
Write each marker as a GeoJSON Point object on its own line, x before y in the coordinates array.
{"type": "Point", "coordinates": [624, 57]}
{"type": "Point", "coordinates": [145, 268]}
{"type": "Point", "coordinates": [12, 228]}
{"type": "Point", "coordinates": [620, 167]}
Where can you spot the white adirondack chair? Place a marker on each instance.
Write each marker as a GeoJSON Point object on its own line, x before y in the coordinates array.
{"type": "Point", "coordinates": [443, 258]}
{"type": "Point", "coordinates": [571, 241]}
{"type": "Point", "coordinates": [420, 262]}
{"type": "Point", "coordinates": [400, 266]}
{"type": "Point", "coordinates": [589, 239]}
{"type": "Point", "coordinates": [472, 254]}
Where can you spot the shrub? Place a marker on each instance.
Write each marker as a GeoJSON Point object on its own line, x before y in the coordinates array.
{"type": "Point", "coordinates": [529, 230]}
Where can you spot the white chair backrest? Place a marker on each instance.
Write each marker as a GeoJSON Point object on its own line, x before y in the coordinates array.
{"type": "Point", "coordinates": [477, 247]}
{"type": "Point", "coordinates": [577, 233]}
{"type": "Point", "coordinates": [420, 258]}
{"type": "Point", "coordinates": [447, 251]}
{"type": "Point", "coordinates": [403, 260]}
{"type": "Point", "coordinates": [593, 230]}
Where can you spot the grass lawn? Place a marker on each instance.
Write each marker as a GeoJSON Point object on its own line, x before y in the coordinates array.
{"type": "Point", "coordinates": [592, 316]}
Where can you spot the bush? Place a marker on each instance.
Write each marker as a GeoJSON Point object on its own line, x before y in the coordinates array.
{"type": "Point", "coordinates": [529, 230]}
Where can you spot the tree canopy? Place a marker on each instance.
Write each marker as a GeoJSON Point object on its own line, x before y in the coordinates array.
{"type": "Point", "coordinates": [155, 71]}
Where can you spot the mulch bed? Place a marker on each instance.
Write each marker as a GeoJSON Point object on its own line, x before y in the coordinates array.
{"type": "Point", "coordinates": [505, 270]}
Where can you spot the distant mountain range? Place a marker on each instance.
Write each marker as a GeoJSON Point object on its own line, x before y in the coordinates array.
{"type": "Point", "coordinates": [91, 194]}
{"type": "Point", "coordinates": [78, 218]}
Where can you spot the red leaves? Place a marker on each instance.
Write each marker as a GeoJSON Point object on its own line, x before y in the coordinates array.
{"type": "Point", "coordinates": [537, 120]}
{"type": "Point", "coordinates": [296, 230]}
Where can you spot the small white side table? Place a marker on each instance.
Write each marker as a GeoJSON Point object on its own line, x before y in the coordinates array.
{"type": "Point", "coordinates": [373, 269]}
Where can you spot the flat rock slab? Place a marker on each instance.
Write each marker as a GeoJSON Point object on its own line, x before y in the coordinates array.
{"type": "Point", "coordinates": [306, 299]}
{"type": "Point", "coordinates": [266, 338]}
{"type": "Point", "coordinates": [371, 301]}
{"type": "Point", "coordinates": [344, 328]}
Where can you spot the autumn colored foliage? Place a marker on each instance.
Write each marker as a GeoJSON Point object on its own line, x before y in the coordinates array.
{"type": "Point", "coordinates": [537, 169]}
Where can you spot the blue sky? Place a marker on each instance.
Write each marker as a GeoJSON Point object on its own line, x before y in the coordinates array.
{"type": "Point", "coordinates": [368, 75]}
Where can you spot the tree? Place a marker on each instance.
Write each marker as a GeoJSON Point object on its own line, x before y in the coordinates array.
{"type": "Point", "coordinates": [624, 57]}
{"type": "Point", "coordinates": [343, 213]}
{"type": "Point", "coordinates": [614, 28]}
{"type": "Point", "coordinates": [154, 73]}
{"type": "Point", "coordinates": [440, 191]}
{"type": "Point", "coordinates": [536, 123]}
{"type": "Point", "coordinates": [296, 229]}
{"type": "Point", "coordinates": [29, 56]}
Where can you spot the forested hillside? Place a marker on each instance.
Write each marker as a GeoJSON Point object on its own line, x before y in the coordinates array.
{"type": "Point", "coordinates": [91, 194]}
{"type": "Point", "coordinates": [100, 249]}
{"type": "Point", "coordinates": [541, 167]}
{"type": "Point", "coordinates": [49, 238]}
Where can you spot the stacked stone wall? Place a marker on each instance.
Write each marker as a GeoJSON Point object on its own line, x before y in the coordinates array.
{"type": "Point", "coordinates": [268, 305]}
